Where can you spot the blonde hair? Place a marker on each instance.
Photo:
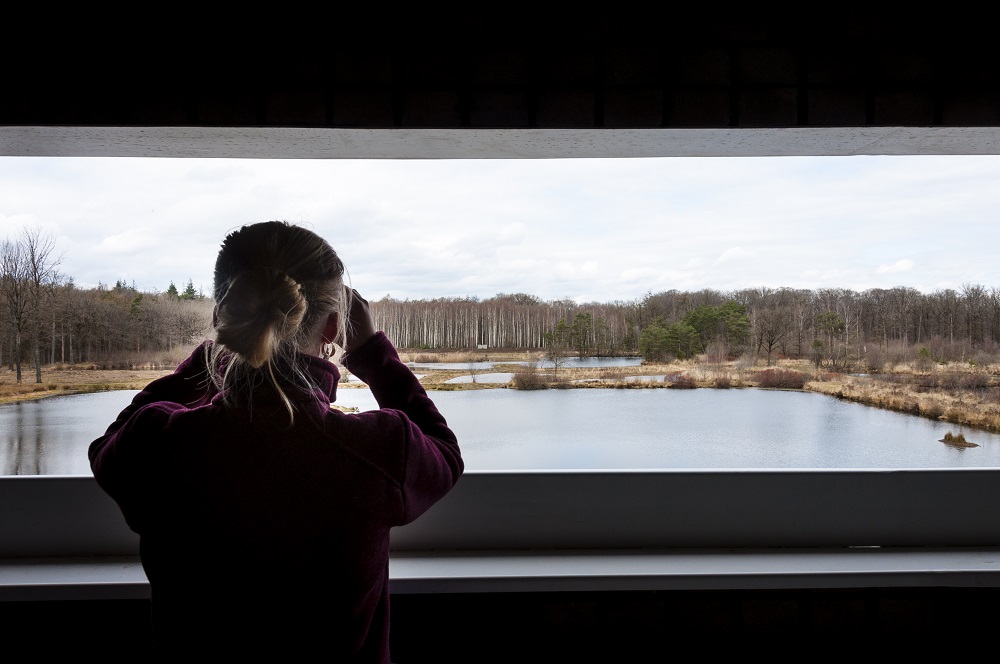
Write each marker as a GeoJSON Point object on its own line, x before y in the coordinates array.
{"type": "Point", "coordinates": [276, 284]}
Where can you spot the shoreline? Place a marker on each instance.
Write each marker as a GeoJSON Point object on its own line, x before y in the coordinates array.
{"type": "Point", "coordinates": [903, 390]}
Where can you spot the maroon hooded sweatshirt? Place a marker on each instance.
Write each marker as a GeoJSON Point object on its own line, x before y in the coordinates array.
{"type": "Point", "coordinates": [263, 536]}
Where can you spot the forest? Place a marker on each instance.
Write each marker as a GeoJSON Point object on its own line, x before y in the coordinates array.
{"type": "Point", "coordinates": [45, 319]}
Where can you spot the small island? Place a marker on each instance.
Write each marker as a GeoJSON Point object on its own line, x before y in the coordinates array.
{"type": "Point", "coordinates": [956, 440]}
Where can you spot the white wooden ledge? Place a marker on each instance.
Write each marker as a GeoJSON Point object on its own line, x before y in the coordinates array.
{"type": "Point", "coordinates": [62, 538]}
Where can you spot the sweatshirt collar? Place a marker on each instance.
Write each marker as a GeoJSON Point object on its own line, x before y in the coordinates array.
{"type": "Point", "coordinates": [325, 375]}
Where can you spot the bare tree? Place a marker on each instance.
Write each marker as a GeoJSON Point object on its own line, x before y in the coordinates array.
{"type": "Point", "coordinates": [14, 287]}
{"type": "Point", "coordinates": [41, 275]}
{"type": "Point", "coordinates": [773, 323]}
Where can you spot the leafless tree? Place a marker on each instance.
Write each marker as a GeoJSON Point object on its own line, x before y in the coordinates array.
{"type": "Point", "coordinates": [772, 324]}
{"type": "Point", "coordinates": [14, 287]}
{"type": "Point", "coordinates": [42, 277]}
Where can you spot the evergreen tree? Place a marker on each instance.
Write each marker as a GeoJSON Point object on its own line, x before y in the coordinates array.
{"type": "Point", "coordinates": [653, 342]}
{"type": "Point", "coordinates": [580, 333]}
{"type": "Point", "coordinates": [705, 321]}
{"type": "Point", "coordinates": [189, 292]}
{"type": "Point", "coordinates": [683, 341]}
{"type": "Point", "coordinates": [734, 323]}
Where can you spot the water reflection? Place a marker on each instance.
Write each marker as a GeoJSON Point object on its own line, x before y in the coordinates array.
{"type": "Point", "coordinates": [22, 442]}
{"type": "Point", "coordinates": [460, 366]}
{"type": "Point", "coordinates": [601, 428]}
{"type": "Point", "coordinates": [569, 362]}
{"type": "Point", "coordinates": [592, 362]}
{"type": "Point", "coordinates": [50, 436]}
{"type": "Point", "coordinates": [497, 378]}
{"type": "Point", "coordinates": [591, 428]}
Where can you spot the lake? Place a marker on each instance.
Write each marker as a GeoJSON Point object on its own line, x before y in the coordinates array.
{"type": "Point", "coordinates": [567, 362]}
{"type": "Point", "coordinates": [590, 428]}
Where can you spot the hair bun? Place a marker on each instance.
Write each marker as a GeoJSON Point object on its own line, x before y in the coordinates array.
{"type": "Point", "coordinates": [262, 308]}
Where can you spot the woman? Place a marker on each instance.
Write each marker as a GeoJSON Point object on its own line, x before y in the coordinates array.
{"type": "Point", "coordinates": [263, 513]}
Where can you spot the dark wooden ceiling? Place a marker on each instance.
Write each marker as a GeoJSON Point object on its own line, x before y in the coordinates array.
{"type": "Point", "coordinates": [707, 69]}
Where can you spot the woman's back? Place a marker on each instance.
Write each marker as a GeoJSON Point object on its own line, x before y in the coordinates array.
{"type": "Point", "coordinates": [264, 514]}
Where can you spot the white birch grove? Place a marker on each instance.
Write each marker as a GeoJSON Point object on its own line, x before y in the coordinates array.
{"type": "Point", "coordinates": [783, 320]}
{"type": "Point", "coordinates": [510, 322]}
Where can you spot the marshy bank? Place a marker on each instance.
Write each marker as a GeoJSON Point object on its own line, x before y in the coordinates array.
{"type": "Point", "coordinates": [966, 395]}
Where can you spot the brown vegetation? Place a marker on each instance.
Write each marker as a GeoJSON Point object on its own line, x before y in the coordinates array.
{"type": "Point", "coordinates": [75, 380]}
{"type": "Point", "coordinates": [963, 394]}
{"type": "Point", "coordinates": [528, 378]}
{"type": "Point", "coordinates": [782, 378]}
{"type": "Point", "coordinates": [956, 440]}
{"type": "Point", "coordinates": [976, 408]}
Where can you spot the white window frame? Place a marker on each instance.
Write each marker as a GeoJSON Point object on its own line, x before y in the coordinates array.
{"type": "Point", "coordinates": [62, 537]}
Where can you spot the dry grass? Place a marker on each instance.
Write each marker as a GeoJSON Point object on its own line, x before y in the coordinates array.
{"type": "Point", "coordinates": [75, 379]}
{"type": "Point", "coordinates": [964, 395]}
{"type": "Point", "coordinates": [977, 408]}
{"type": "Point", "coordinates": [957, 440]}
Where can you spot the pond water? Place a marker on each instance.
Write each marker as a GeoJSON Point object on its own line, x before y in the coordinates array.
{"type": "Point", "coordinates": [502, 378]}
{"type": "Point", "coordinates": [497, 378]}
{"type": "Point", "coordinates": [590, 428]}
{"type": "Point", "coordinates": [483, 375]}
{"type": "Point", "coordinates": [592, 362]}
{"type": "Point", "coordinates": [569, 362]}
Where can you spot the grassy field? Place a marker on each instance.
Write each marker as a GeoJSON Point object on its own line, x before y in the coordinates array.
{"type": "Point", "coordinates": [965, 395]}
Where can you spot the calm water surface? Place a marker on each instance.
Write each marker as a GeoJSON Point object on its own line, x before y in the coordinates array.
{"type": "Point", "coordinates": [569, 362]}
{"type": "Point", "coordinates": [503, 429]}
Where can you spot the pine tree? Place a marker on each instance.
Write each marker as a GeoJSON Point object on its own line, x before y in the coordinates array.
{"type": "Point", "coordinates": [189, 292]}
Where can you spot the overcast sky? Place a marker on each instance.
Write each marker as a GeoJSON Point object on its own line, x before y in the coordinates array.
{"type": "Point", "coordinates": [591, 230]}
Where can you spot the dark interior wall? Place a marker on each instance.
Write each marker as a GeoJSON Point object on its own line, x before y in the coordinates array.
{"type": "Point", "coordinates": [654, 626]}
{"type": "Point", "coordinates": [709, 68]}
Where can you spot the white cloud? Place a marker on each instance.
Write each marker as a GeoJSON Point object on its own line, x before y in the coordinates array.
{"type": "Point", "coordinates": [127, 242]}
{"type": "Point", "coordinates": [902, 265]}
{"type": "Point", "coordinates": [734, 253]}
{"type": "Point", "coordinates": [597, 229]}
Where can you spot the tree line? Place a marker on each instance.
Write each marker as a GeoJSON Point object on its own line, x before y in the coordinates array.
{"type": "Point", "coordinates": [46, 319]}
{"type": "Point", "coordinates": [833, 326]}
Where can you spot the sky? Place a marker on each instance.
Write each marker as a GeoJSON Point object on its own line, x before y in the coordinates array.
{"type": "Point", "coordinates": [589, 230]}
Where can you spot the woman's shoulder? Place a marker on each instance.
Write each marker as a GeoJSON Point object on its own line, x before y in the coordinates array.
{"type": "Point", "coordinates": [379, 426]}
{"type": "Point", "coordinates": [378, 436]}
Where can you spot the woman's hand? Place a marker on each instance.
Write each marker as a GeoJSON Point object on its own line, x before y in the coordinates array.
{"type": "Point", "coordinates": [362, 325]}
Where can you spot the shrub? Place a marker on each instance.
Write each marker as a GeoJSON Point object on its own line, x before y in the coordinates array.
{"type": "Point", "coordinates": [983, 358]}
{"type": "Point", "coordinates": [975, 381]}
{"type": "Point", "coordinates": [528, 378]}
{"type": "Point", "coordinates": [682, 382]}
{"type": "Point", "coordinates": [949, 380]}
{"type": "Point", "coordinates": [874, 360]}
{"type": "Point", "coordinates": [785, 378]}
{"type": "Point", "coordinates": [932, 410]}
{"type": "Point", "coordinates": [924, 361]}
{"type": "Point", "coordinates": [744, 362]}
